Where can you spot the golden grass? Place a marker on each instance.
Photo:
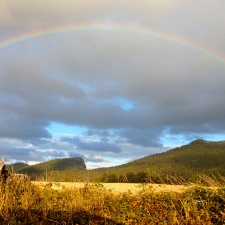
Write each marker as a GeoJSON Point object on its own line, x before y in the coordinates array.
{"type": "Point", "coordinates": [22, 202]}
{"type": "Point", "coordinates": [118, 188]}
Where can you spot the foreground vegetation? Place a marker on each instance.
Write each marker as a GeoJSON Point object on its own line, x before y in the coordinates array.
{"type": "Point", "coordinates": [24, 203]}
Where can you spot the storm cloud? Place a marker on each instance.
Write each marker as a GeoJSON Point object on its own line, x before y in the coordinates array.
{"type": "Point", "coordinates": [152, 80]}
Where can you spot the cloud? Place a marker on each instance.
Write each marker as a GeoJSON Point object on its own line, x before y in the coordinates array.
{"type": "Point", "coordinates": [92, 145]}
{"type": "Point", "coordinates": [53, 11]}
{"type": "Point", "coordinates": [17, 126]}
{"type": "Point", "coordinates": [21, 154]}
{"type": "Point", "coordinates": [123, 88]}
{"type": "Point", "coordinates": [93, 158]}
{"type": "Point", "coordinates": [144, 138]}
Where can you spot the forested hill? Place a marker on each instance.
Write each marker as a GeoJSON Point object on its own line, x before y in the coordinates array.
{"type": "Point", "coordinates": [199, 155]}
{"type": "Point", "coordinates": [62, 164]}
{"type": "Point", "coordinates": [188, 161]}
{"type": "Point", "coordinates": [16, 166]}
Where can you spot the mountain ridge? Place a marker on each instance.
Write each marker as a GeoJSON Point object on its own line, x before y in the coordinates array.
{"type": "Point", "coordinates": [75, 163]}
{"type": "Point", "coordinates": [187, 161]}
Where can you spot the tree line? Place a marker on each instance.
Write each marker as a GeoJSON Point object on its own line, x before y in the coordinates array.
{"type": "Point", "coordinates": [129, 177]}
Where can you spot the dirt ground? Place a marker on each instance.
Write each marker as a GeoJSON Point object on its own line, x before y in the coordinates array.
{"type": "Point", "coordinates": [118, 187]}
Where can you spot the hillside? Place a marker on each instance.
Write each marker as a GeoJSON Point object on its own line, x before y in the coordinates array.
{"type": "Point", "coordinates": [16, 166]}
{"type": "Point", "coordinates": [188, 161]}
{"type": "Point", "coordinates": [64, 164]}
{"type": "Point", "coordinates": [198, 156]}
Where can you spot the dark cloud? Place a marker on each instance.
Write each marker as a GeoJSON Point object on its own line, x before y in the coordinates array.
{"type": "Point", "coordinates": [92, 145]}
{"type": "Point", "coordinates": [94, 159]}
{"type": "Point", "coordinates": [103, 135]}
{"type": "Point", "coordinates": [21, 154]}
{"type": "Point", "coordinates": [19, 126]}
{"type": "Point", "coordinates": [145, 138]}
{"type": "Point", "coordinates": [75, 154]}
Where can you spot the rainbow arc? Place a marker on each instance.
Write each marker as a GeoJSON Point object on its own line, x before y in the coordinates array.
{"type": "Point", "coordinates": [112, 27]}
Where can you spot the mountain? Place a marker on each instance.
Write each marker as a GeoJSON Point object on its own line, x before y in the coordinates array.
{"type": "Point", "coordinates": [188, 161]}
{"type": "Point", "coordinates": [68, 164]}
{"type": "Point", "coordinates": [198, 156]}
{"type": "Point", "coordinates": [16, 166]}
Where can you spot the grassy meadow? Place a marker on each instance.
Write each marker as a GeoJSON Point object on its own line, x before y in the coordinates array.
{"type": "Point", "coordinates": [24, 202]}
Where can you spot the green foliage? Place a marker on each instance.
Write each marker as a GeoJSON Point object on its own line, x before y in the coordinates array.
{"type": "Point", "coordinates": [24, 203]}
{"type": "Point", "coordinates": [130, 177]}
{"type": "Point", "coordinates": [56, 176]}
{"type": "Point", "coordinates": [109, 178]}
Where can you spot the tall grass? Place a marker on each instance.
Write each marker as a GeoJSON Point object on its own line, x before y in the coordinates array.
{"type": "Point", "coordinates": [22, 202]}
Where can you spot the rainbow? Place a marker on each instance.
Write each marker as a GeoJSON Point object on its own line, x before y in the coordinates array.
{"type": "Point", "coordinates": [112, 27]}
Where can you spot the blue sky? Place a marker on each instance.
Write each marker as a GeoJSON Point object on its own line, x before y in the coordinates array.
{"type": "Point", "coordinates": [109, 95]}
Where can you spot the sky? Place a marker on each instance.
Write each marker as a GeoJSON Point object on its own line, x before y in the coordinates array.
{"type": "Point", "coordinates": [109, 81]}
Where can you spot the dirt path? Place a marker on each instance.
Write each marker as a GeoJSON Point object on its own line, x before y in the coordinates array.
{"type": "Point", "coordinates": [118, 187]}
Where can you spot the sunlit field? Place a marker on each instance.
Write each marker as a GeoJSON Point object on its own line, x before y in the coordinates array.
{"type": "Point", "coordinates": [94, 203]}
{"type": "Point", "coordinates": [116, 188]}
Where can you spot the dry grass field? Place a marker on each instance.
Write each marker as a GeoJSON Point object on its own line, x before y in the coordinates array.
{"type": "Point", "coordinates": [119, 188]}
{"type": "Point", "coordinates": [23, 202]}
